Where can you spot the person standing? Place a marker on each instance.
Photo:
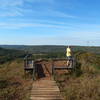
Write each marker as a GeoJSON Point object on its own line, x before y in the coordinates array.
{"type": "Point", "coordinates": [68, 55]}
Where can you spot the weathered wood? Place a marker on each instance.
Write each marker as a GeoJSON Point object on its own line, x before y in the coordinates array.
{"type": "Point", "coordinates": [29, 65]}
{"type": "Point", "coordinates": [45, 89]}
{"type": "Point", "coordinates": [61, 68]}
{"type": "Point", "coordinates": [69, 67]}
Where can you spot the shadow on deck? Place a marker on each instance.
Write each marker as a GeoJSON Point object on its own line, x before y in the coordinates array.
{"type": "Point", "coordinates": [40, 71]}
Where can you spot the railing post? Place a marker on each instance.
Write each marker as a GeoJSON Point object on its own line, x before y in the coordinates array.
{"type": "Point", "coordinates": [33, 70]}
{"type": "Point", "coordinates": [52, 68]}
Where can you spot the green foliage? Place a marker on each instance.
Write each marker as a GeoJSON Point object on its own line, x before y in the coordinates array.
{"type": "Point", "coordinates": [51, 48]}
{"type": "Point", "coordinates": [3, 84]}
{"type": "Point", "coordinates": [90, 62]}
{"type": "Point", "coordinates": [49, 55]}
{"type": "Point", "coordinates": [8, 55]}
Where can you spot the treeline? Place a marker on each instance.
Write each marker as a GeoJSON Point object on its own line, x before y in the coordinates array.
{"type": "Point", "coordinates": [51, 48]}
{"type": "Point", "coordinates": [8, 55]}
{"type": "Point", "coordinates": [49, 55]}
{"type": "Point", "coordinates": [88, 59]}
{"type": "Point", "coordinates": [42, 51]}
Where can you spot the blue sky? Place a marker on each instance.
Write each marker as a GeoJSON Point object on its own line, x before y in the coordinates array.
{"type": "Point", "coordinates": [50, 22]}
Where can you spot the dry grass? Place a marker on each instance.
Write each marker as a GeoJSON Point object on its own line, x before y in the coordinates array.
{"type": "Point", "coordinates": [83, 88]}
{"type": "Point", "coordinates": [84, 84]}
{"type": "Point", "coordinates": [13, 85]}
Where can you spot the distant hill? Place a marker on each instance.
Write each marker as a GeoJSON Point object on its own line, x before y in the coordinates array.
{"type": "Point", "coordinates": [50, 48]}
{"type": "Point", "coordinates": [10, 54]}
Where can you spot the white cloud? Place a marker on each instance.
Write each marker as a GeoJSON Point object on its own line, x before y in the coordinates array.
{"type": "Point", "coordinates": [87, 36]}
{"type": "Point", "coordinates": [18, 8]}
{"type": "Point", "coordinates": [10, 8]}
{"type": "Point", "coordinates": [26, 25]}
{"type": "Point", "coordinates": [51, 13]}
{"type": "Point", "coordinates": [60, 14]}
{"type": "Point", "coordinates": [11, 14]}
{"type": "Point", "coordinates": [10, 3]}
{"type": "Point", "coordinates": [47, 1]}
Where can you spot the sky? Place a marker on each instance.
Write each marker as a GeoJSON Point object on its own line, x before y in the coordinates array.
{"type": "Point", "coordinates": [50, 22]}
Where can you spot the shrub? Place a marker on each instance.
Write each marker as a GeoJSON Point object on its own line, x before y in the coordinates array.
{"type": "Point", "coordinates": [85, 88]}
{"type": "Point", "coordinates": [13, 86]}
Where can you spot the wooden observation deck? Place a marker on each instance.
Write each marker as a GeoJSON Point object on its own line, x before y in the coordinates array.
{"type": "Point", "coordinates": [29, 64]}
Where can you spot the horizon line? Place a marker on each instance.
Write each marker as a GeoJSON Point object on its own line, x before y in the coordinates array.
{"type": "Point", "coordinates": [47, 45]}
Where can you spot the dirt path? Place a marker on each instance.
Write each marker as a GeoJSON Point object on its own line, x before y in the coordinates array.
{"type": "Point", "coordinates": [45, 88]}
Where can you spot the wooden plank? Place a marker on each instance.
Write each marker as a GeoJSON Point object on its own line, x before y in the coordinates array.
{"type": "Point", "coordinates": [45, 89]}
{"type": "Point", "coordinates": [62, 68]}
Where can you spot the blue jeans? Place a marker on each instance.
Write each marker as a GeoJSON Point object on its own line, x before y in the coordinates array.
{"type": "Point", "coordinates": [69, 57]}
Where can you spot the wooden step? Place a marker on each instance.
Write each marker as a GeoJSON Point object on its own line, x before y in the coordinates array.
{"type": "Point", "coordinates": [46, 98]}
{"type": "Point", "coordinates": [46, 93]}
{"type": "Point", "coordinates": [45, 89]}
